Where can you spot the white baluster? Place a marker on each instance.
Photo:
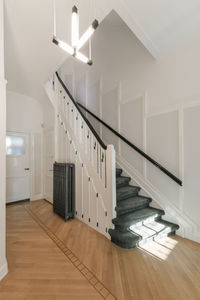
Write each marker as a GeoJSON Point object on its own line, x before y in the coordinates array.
{"type": "Point", "coordinates": [96, 179]}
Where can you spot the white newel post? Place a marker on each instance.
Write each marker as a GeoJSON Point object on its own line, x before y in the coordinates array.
{"type": "Point", "coordinates": [3, 262]}
{"type": "Point", "coordinates": [111, 182]}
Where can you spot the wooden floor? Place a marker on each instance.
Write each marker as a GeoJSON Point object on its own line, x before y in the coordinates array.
{"type": "Point", "coordinates": [44, 252]}
{"type": "Point", "coordinates": [38, 269]}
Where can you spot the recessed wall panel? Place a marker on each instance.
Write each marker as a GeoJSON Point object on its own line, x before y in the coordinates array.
{"type": "Point", "coordinates": [81, 91]}
{"type": "Point", "coordinates": [191, 205]}
{"type": "Point", "coordinates": [68, 79]}
{"type": "Point", "coordinates": [110, 114]}
{"type": "Point", "coordinates": [131, 127]}
{"type": "Point", "coordinates": [93, 104]}
{"type": "Point", "coordinates": [163, 146]}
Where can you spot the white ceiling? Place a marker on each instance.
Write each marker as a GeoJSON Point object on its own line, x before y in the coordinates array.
{"type": "Point", "coordinates": [31, 57]}
{"type": "Point", "coordinates": [167, 23]}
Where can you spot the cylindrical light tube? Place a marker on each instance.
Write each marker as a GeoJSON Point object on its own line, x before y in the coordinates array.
{"type": "Point", "coordinates": [87, 35]}
{"type": "Point", "coordinates": [75, 26]}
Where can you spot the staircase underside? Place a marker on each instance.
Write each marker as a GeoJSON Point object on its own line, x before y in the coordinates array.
{"type": "Point", "coordinates": [136, 223]}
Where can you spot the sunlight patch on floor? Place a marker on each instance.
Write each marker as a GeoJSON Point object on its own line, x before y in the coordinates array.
{"type": "Point", "coordinates": [160, 249]}
{"type": "Point", "coordinates": [168, 243]}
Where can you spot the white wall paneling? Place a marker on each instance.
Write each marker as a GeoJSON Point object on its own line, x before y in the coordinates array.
{"type": "Point", "coordinates": [131, 127]}
{"type": "Point", "coordinates": [191, 203]}
{"type": "Point", "coordinates": [93, 102]}
{"type": "Point", "coordinates": [160, 134]}
{"type": "Point", "coordinates": [69, 80]}
{"type": "Point", "coordinates": [163, 146]}
{"type": "Point", "coordinates": [80, 90]}
{"type": "Point", "coordinates": [110, 114]}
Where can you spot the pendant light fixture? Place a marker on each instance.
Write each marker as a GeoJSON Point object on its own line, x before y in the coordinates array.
{"type": "Point", "coordinates": [76, 43]}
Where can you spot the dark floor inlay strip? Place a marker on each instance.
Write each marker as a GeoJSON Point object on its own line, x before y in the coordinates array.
{"type": "Point", "coordinates": [92, 279]}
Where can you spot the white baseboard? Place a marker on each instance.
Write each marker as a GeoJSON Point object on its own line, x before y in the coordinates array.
{"type": "Point", "coordinates": [48, 198]}
{"type": "Point", "coordinates": [37, 197]}
{"type": "Point", "coordinates": [193, 236]}
{"type": "Point", "coordinates": [3, 270]}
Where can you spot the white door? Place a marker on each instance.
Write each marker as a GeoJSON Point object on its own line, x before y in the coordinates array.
{"type": "Point", "coordinates": [48, 164]}
{"type": "Point", "coordinates": [17, 167]}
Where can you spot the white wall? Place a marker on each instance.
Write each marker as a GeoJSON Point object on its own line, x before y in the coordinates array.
{"type": "Point", "coordinates": [48, 144]}
{"type": "Point", "coordinates": [25, 114]}
{"type": "Point", "coordinates": [3, 263]}
{"type": "Point", "coordinates": [152, 103]}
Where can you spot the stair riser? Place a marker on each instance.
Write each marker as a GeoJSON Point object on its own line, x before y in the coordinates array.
{"type": "Point", "coordinates": [124, 183]}
{"type": "Point", "coordinates": [125, 245]}
{"type": "Point", "coordinates": [130, 245]}
{"type": "Point", "coordinates": [123, 212]}
{"type": "Point", "coordinates": [156, 238]}
{"type": "Point", "coordinates": [124, 197]}
{"type": "Point", "coordinates": [153, 237]}
{"type": "Point", "coordinates": [118, 173]}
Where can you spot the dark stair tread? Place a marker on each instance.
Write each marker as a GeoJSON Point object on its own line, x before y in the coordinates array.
{"type": "Point", "coordinates": [157, 230]}
{"type": "Point", "coordinates": [127, 192]}
{"type": "Point", "coordinates": [118, 171]}
{"type": "Point", "coordinates": [137, 216]}
{"type": "Point", "coordinates": [136, 223]}
{"type": "Point", "coordinates": [131, 204]}
{"type": "Point", "coordinates": [130, 238]}
{"type": "Point", "coordinates": [122, 181]}
{"type": "Point", "coordinates": [124, 239]}
{"type": "Point", "coordinates": [167, 223]}
{"type": "Point", "coordinates": [154, 229]}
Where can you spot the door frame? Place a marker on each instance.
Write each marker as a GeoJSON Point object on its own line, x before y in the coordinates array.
{"type": "Point", "coordinates": [47, 132]}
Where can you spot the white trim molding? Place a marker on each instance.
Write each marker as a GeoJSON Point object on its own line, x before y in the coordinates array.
{"type": "Point", "coordinates": [37, 197]}
{"type": "Point", "coordinates": [3, 270]}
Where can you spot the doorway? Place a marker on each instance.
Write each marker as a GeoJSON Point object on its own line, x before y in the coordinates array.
{"type": "Point", "coordinates": [17, 167]}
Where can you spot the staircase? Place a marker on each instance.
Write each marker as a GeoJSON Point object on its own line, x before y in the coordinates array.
{"type": "Point", "coordinates": [98, 191]}
{"type": "Point", "coordinates": [136, 223]}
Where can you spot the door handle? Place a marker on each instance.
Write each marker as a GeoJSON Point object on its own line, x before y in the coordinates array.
{"type": "Point", "coordinates": [26, 169]}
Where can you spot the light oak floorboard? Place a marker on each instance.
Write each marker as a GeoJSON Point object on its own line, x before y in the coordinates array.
{"type": "Point", "coordinates": [38, 269]}
{"type": "Point", "coordinates": [168, 269]}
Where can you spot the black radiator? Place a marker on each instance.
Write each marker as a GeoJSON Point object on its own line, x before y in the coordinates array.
{"type": "Point", "coordinates": [64, 190]}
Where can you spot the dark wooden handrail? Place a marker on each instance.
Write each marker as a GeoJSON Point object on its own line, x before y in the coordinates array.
{"type": "Point", "coordinates": [77, 105]}
{"type": "Point", "coordinates": [156, 164]}
{"type": "Point", "coordinates": [82, 115]}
